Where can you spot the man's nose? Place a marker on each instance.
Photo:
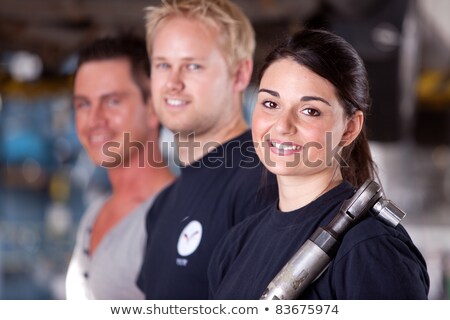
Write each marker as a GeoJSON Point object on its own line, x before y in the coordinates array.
{"type": "Point", "coordinates": [175, 81]}
{"type": "Point", "coordinates": [97, 115]}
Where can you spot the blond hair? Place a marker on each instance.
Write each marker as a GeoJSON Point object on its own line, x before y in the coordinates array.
{"type": "Point", "coordinates": [237, 37]}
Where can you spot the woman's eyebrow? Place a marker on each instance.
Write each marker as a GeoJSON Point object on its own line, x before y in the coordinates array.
{"type": "Point", "coordinates": [271, 92]}
{"type": "Point", "coordinates": [313, 98]}
{"type": "Point", "coordinates": [305, 98]}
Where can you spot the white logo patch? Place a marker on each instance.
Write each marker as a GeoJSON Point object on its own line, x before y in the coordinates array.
{"type": "Point", "coordinates": [190, 238]}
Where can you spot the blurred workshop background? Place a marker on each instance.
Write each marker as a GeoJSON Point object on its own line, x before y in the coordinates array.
{"type": "Point", "coordinates": [46, 180]}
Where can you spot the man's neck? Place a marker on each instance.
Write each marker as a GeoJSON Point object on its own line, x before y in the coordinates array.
{"type": "Point", "coordinates": [140, 181]}
{"type": "Point", "coordinates": [192, 147]}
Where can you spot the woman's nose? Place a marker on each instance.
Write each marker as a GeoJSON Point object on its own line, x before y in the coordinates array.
{"type": "Point", "coordinates": [284, 124]}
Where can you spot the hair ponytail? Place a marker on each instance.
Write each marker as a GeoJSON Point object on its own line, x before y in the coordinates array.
{"type": "Point", "coordinates": [360, 165]}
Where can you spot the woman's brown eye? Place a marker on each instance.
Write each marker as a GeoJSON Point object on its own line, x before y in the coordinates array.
{"type": "Point", "coordinates": [311, 112]}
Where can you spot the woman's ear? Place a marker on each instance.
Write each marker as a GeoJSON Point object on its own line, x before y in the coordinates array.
{"type": "Point", "coordinates": [353, 128]}
{"type": "Point", "coordinates": [243, 74]}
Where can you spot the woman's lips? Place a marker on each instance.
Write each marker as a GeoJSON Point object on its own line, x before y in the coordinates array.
{"type": "Point", "coordinates": [284, 148]}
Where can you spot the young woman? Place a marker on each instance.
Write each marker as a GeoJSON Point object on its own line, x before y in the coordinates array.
{"type": "Point", "coordinates": [308, 129]}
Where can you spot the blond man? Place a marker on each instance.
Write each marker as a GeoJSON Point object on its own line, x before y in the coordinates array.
{"type": "Point", "coordinates": [201, 60]}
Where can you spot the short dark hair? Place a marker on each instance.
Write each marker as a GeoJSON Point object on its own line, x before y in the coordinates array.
{"type": "Point", "coordinates": [127, 46]}
{"type": "Point", "coordinates": [334, 59]}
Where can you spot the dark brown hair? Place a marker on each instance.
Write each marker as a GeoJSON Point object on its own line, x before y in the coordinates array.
{"type": "Point", "coordinates": [126, 46]}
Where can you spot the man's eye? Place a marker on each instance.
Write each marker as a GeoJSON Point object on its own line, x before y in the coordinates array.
{"type": "Point", "coordinates": [113, 102]}
{"type": "Point", "coordinates": [270, 104]}
{"type": "Point", "coordinates": [193, 66]}
{"type": "Point", "coordinates": [80, 105]}
{"type": "Point", "coordinates": [162, 66]}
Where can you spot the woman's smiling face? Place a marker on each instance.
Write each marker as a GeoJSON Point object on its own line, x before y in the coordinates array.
{"type": "Point", "coordinates": [298, 122]}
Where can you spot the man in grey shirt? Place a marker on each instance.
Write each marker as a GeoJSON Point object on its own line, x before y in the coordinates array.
{"type": "Point", "coordinates": [117, 127]}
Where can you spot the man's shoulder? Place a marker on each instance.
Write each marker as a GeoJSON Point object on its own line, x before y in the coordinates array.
{"type": "Point", "coordinates": [163, 196]}
{"type": "Point", "coordinates": [240, 153]}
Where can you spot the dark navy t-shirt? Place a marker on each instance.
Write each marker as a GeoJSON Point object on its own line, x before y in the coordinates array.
{"type": "Point", "coordinates": [189, 217]}
{"type": "Point", "coordinates": [374, 261]}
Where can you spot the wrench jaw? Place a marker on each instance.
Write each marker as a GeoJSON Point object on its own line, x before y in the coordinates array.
{"type": "Point", "coordinates": [354, 209]}
{"type": "Point", "coordinates": [388, 212]}
{"type": "Point", "coordinates": [363, 199]}
{"type": "Point", "coordinates": [370, 198]}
